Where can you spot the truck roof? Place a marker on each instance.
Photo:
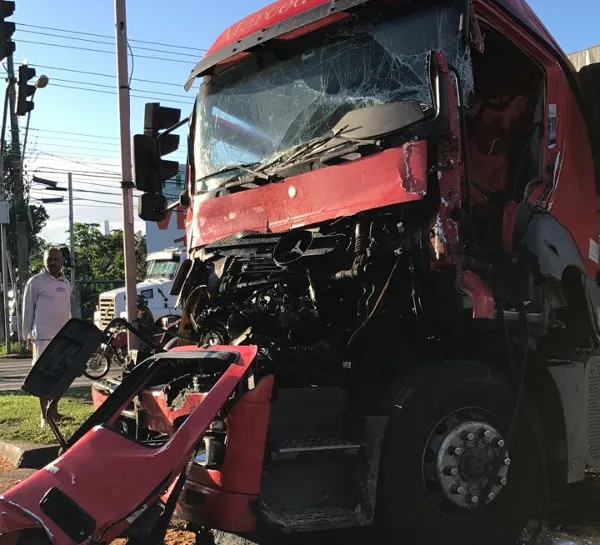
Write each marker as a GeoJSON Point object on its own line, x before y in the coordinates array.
{"type": "Point", "coordinates": [169, 254]}
{"type": "Point", "coordinates": [585, 57]}
{"type": "Point", "coordinates": [285, 16]}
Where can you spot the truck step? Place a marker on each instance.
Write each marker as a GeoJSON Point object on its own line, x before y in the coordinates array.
{"type": "Point", "coordinates": [316, 518]}
{"type": "Point", "coordinates": [292, 448]}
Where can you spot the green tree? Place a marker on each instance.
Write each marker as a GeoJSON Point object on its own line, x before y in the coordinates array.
{"type": "Point", "coordinates": [37, 214]}
{"type": "Point", "coordinates": [140, 256]}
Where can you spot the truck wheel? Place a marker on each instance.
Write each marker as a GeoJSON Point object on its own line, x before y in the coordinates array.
{"type": "Point", "coordinates": [442, 442]}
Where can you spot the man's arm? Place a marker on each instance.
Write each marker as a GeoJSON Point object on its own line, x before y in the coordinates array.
{"type": "Point", "coordinates": [29, 297]}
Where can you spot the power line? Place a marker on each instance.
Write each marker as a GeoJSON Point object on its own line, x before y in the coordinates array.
{"type": "Point", "coordinates": [100, 74]}
{"type": "Point", "coordinates": [88, 164]}
{"type": "Point", "coordinates": [63, 139]}
{"type": "Point", "coordinates": [37, 33]}
{"type": "Point", "coordinates": [81, 33]}
{"type": "Point", "coordinates": [73, 133]}
{"type": "Point", "coordinates": [71, 47]}
{"type": "Point", "coordinates": [114, 93]}
{"type": "Point", "coordinates": [179, 95]}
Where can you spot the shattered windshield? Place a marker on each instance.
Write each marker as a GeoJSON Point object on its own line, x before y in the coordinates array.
{"type": "Point", "coordinates": [287, 97]}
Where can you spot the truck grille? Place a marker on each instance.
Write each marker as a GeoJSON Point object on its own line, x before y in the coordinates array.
{"type": "Point", "coordinates": [106, 306]}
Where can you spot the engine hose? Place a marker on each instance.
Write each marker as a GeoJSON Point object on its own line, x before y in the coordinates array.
{"type": "Point", "coordinates": [361, 239]}
{"type": "Point", "coordinates": [361, 243]}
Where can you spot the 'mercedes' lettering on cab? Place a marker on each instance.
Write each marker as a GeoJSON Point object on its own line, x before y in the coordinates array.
{"type": "Point", "coordinates": [257, 20]}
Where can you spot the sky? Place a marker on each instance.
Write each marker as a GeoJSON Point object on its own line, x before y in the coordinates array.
{"type": "Point", "coordinates": [74, 125]}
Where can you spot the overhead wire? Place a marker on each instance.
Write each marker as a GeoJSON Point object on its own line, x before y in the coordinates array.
{"type": "Point", "coordinates": [102, 75]}
{"type": "Point", "coordinates": [97, 177]}
{"type": "Point", "coordinates": [82, 33]}
{"type": "Point", "coordinates": [79, 48]}
{"type": "Point", "coordinates": [187, 103]}
{"type": "Point", "coordinates": [87, 40]}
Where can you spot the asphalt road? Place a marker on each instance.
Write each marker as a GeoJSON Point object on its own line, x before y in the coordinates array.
{"type": "Point", "coordinates": [14, 371]}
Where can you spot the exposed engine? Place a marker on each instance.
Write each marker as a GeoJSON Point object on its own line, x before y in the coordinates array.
{"type": "Point", "coordinates": [306, 296]}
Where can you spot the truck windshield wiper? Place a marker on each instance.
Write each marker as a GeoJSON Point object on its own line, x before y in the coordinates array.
{"type": "Point", "coordinates": [235, 169]}
{"type": "Point", "coordinates": [308, 150]}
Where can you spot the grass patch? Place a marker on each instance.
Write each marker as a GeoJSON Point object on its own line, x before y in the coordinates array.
{"type": "Point", "coordinates": [20, 416]}
{"type": "Point", "coordinates": [15, 348]}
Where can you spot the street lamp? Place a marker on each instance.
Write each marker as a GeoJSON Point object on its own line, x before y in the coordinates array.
{"type": "Point", "coordinates": [40, 83]}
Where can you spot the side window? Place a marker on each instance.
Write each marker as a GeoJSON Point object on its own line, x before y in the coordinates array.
{"type": "Point", "coordinates": [505, 125]}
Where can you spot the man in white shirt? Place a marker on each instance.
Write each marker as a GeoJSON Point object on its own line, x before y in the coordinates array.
{"type": "Point", "coordinates": [46, 306]}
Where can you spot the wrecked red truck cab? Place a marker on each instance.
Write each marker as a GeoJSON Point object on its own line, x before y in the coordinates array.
{"type": "Point", "coordinates": [394, 205]}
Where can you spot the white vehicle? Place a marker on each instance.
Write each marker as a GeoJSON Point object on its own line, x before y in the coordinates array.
{"type": "Point", "coordinates": [156, 289]}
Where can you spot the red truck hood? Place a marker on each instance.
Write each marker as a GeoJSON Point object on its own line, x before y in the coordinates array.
{"type": "Point", "coordinates": [393, 176]}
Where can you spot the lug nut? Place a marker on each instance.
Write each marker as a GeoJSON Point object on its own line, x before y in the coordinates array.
{"type": "Point", "coordinates": [487, 434]}
{"type": "Point", "coordinates": [499, 443]}
{"type": "Point", "coordinates": [458, 490]}
{"type": "Point", "coordinates": [451, 471]}
{"type": "Point", "coordinates": [507, 461]}
{"type": "Point", "coordinates": [457, 451]}
{"type": "Point", "coordinates": [491, 496]}
{"type": "Point", "coordinates": [502, 481]}
{"type": "Point", "coordinates": [474, 500]}
{"type": "Point", "coordinates": [468, 436]}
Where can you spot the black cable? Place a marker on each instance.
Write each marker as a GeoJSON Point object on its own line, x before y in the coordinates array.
{"type": "Point", "coordinates": [132, 57]}
{"type": "Point", "coordinates": [105, 43]}
{"type": "Point", "coordinates": [71, 47]}
{"type": "Point", "coordinates": [93, 84]}
{"type": "Point", "coordinates": [105, 36]}
{"type": "Point", "coordinates": [187, 103]}
{"type": "Point", "coordinates": [100, 74]}
{"type": "Point", "coordinates": [74, 133]}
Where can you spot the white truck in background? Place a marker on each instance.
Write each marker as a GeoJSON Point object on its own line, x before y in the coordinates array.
{"type": "Point", "coordinates": [156, 289]}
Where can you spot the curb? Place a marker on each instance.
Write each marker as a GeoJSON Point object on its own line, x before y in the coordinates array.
{"type": "Point", "coordinates": [14, 357]}
{"type": "Point", "coordinates": [28, 455]}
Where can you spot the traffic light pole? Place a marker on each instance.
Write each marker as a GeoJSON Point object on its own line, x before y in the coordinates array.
{"type": "Point", "coordinates": [17, 174]}
{"type": "Point", "coordinates": [3, 243]}
{"type": "Point", "coordinates": [126, 167]}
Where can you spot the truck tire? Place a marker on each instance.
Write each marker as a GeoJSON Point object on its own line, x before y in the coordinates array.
{"type": "Point", "coordinates": [428, 490]}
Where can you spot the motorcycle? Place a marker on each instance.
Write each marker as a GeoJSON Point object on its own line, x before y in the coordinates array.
{"type": "Point", "coordinates": [114, 352]}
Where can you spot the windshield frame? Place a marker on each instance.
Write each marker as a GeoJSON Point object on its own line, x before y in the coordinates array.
{"type": "Point", "coordinates": [157, 276]}
{"type": "Point", "coordinates": [253, 65]}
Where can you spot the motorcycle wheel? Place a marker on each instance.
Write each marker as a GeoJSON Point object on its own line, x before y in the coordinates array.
{"type": "Point", "coordinates": [97, 367]}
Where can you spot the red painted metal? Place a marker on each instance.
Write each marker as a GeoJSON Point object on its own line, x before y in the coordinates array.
{"type": "Point", "coordinates": [449, 153]}
{"type": "Point", "coordinates": [391, 177]}
{"type": "Point", "coordinates": [567, 189]}
{"type": "Point", "coordinates": [263, 18]}
{"type": "Point", "coordinates": [135, 470]}
{"type": "Point", "coordinates": [231, 491]}
{"type": "Point", "coordinates": [480, 293]}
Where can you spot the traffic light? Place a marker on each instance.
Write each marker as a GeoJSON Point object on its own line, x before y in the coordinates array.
{"type": "Point", "coordinates": [24, 90]}
{"type": "Point", "coordinates": [150, 169]}
{"type": "Point", "coordinates": [149, 148]}
{"type": "Point", "coordinates": [7, 28]}
{"type": "Point", "coordinates": [12, 303]}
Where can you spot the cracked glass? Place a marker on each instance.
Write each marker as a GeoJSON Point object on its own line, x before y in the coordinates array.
{"type": "Point", "coordinates": [286, 100]}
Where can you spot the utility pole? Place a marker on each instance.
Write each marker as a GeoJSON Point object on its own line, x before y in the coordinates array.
{"type": "Point", "coordinates": [3, 243]}
{"type": "Point", "coordinates": [17, 174]}
{"type": "Point", "coordinates": [76, 310]}
{"type": "Point", "coordinates": [126, 167]}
